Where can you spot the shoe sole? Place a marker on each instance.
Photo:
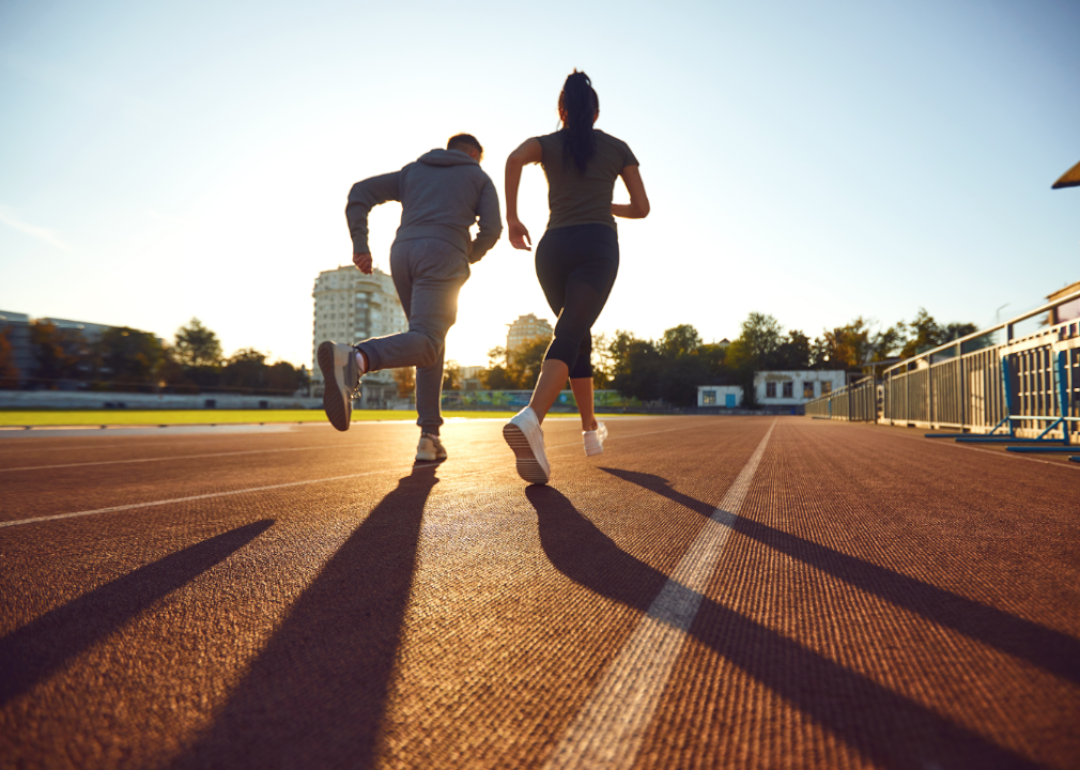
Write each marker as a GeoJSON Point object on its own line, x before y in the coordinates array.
{"type": "Point", "coordinates": [528, 467]}
{"type": "Point", "coordinates": [592, 451]}
{"type": "Point", "coordinates": [333, 400]}
{"type": "Point", "coordinates": [423, 457]}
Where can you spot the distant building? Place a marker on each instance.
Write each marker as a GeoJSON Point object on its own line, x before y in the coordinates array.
{"type": "Point", "coordinates": [796, 387]}
{"type": "Point", "coordinates": [793, 388]}
{"type": "Point", "coordinates": [90, 332]}
{"type": "Point", "coordinates": [17, 328]}
{"type": "Point", "coordinates": [727, 396]}
{"type": "Point", "coordinates": [524, 330]}
{"type": "Point", "coordinates": [351, 307]}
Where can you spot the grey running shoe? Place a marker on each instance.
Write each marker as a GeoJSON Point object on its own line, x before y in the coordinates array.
{"type": "Point", "coordinates": [594, 439]}
{"type": "Point", "coordinates": [430, 449]}
{"type": "Point", "coordinates": [525, 437]}
{"type": "Point", "coordinates": [341, 376]}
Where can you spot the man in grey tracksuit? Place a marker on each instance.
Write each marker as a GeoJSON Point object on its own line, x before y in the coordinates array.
{"type": "Point", "coordinates": [442, 195]}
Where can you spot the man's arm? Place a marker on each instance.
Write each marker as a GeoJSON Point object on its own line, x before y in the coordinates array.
{"type": "Point", "coordinates": [490, 222]}
{"type": "Point", "coordinates": [363, 197]}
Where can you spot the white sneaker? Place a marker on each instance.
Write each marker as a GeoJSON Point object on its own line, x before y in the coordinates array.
{"type": "Point", "coordinates": [429, 449]}
{"type": "Point", "coordinates": [594, 439]}
{"type": "Point", "coordinates": [341, 376]}
{"type": "Point", "coordinates": [525, 437]}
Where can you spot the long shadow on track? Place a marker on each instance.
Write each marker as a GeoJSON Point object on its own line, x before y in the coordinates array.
{"type": "Point", "coordinates": [33, 652]}
{"type": "Point", "coordinates": [1046, 648]}
{"type": "Point", "coordinates": [889, 728]}
{"type": "Point", "coordinates": [315, 696]}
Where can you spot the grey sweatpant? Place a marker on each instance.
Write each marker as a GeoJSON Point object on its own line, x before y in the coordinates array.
{"type": "Point", "coordinates": [428, 274]}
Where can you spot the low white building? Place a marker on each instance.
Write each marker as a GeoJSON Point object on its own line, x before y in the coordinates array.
{"type": "Point", "coordinates": [774, 389]}
{"type": "Point", "coordinates": [727, 396]}
{"type": "Point", "coordinates": [795, 388]}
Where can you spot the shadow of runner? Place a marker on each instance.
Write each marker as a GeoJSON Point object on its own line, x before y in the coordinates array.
{"type": "Point", "coordinates": [1050, 650]}
{"type": "Point", "coordinates": [33, 652]}
{"type": "Point", "coordinates": [315, 696]}
{"type": "Point", "coordinates": [886, 727]}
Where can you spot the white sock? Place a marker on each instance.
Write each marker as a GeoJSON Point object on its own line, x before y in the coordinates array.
{"type": "Point", "coordinates": [361, 361]}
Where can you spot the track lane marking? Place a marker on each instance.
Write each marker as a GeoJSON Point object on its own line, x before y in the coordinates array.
{"type": "Point", "coordinates": [165, 458]}
{"type": "Point", "coordinates": [190, 498]}
{"type": "Point", "coordinates": [609, 729]}
{"type": "Point", "coordinates": [229, 493]}
{"type": "Point", "coordinates": [240, 452]}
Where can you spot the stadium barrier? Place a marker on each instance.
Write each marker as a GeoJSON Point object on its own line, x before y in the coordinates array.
{"type": "Point", "coordinates": [1015, 390]}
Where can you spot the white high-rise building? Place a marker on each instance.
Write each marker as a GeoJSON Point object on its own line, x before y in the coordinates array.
{"type": "Point", "coordinates": [352, 307]}
{"type": "Point", "coordinates": [524, 330]}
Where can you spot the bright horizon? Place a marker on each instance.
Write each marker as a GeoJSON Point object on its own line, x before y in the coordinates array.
{"type": "Point", "coordinates": [815, 163]}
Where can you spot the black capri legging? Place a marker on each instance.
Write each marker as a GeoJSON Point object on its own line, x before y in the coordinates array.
{"type": "Point", "coordinates": [576, 266]}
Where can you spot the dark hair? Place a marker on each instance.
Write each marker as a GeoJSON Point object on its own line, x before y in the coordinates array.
{"type": "Point", "coordinates": [578, 104]}
{"type": "Point", "coordinates": [457, 141]}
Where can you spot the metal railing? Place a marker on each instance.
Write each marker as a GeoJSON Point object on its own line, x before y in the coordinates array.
{"type": "Point", "coordinates": [1027, 387]}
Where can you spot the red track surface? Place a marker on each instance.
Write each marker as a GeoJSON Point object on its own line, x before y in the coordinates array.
{"type": "Point", "coordinates": [302, 598]}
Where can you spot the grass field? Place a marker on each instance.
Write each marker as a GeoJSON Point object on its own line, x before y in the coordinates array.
{"type": "Point", "coordinates": [215, 416]}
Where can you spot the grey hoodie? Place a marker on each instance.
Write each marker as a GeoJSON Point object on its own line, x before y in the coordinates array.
{"type": "Point", "coordinates": [442, 193]}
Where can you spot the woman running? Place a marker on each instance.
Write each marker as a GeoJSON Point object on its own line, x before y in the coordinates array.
{"type": "Point", "coordinates": [576, 260]}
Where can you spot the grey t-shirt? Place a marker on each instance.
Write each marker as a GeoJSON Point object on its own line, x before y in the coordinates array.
{"type": "Point", "coordinates": [577, 198]}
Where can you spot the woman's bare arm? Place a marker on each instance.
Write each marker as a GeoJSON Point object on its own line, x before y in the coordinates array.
{"type": "Point", "coordinates": [529, 152]}
{"type": "Point", "coordinates": [638, 207]}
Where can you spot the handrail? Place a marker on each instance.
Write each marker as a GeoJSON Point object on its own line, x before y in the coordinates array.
{"type": "Point", "coordinates": [975, 335]}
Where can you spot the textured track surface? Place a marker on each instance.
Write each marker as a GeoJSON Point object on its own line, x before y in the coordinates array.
{"type": "Point", "coordinates": [708, 592]}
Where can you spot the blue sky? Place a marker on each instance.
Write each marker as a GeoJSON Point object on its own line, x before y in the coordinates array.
{"type": "Point", "coordinates": [816, 161]}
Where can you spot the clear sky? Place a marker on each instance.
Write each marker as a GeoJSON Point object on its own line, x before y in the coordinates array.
{"type": "Point", "coordinates": [816, 161]}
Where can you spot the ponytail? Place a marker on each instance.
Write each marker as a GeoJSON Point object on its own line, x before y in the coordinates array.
{"type": "Point", "coordinates": [578, 105]}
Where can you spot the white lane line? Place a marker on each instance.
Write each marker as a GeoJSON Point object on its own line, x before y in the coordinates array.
{"type": "Point", "coordinates": [171, 501]}
{"type": "Point", "coordinates": [161, 459]}
{"type": "Point", "coordinates": [610, 727]}
{"type": "Point", "coordinates": [191, 498]}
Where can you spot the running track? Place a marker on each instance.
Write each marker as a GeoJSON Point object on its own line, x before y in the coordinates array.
{"type": "Point", "coordinates": [743, 592]}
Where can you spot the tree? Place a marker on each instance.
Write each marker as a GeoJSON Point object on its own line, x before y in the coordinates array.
{"type": "Point", "coordinates": [679, 341]}
{"type": "Point", "coordinates": [62, 354]}
{"type": "Point", "coordinates": [129, 356]}
{"type": "Point", "coordinates": [602, 361]}
{"type": "Point", "coordinates": [451, 376]}
{"type": "Point", "coordinates": [524, 369]}
{"type": "Point", "coordinates": [282, 377]}
{"type": "Point", "coordinates": [405, 377]}
{"type": "Point", "coordinates": [793, 353]}
{"type": "Point", "coordinates": [197, 346]}
{"type": "Point", "coordinates": [246, 369]}
{"type": "Point", "coordinates": [760, 338]}
{"type": "Point", "coordinates": [636, 370]}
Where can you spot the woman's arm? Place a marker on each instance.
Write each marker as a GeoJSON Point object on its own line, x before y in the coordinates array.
{"type": "Point", "coordinates": [638, 207]}
{"type": "Point", "coordinates": [529, 152]}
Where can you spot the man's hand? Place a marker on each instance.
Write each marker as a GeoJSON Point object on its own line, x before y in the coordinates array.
{"type": "Point", "coordinates": [362, 262]}
{"type": "Point", "coordinates": [519, 236]}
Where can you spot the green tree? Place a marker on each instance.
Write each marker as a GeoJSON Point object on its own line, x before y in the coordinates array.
{"type": "Point", "coordinates": [496, 376]}
{"type": "Point", "coordinates": [129, 356]}
{"type": "Point", "coordinates": [284, 378]}
{"type": "Point", "coordinates": [636, 369]}
{"type": "Point", "coordinates": [451, 376]}
{"type": "Point", "coordinates": [793, 353]}
{"type": "Point", "coordinates": [197, 346]}
{"type": "Point", "coordinates": [525, 365]}
{"type": "Point", "coordinates": [245, 369]}
{"type": "Point", "coordinates": [61, 354]}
